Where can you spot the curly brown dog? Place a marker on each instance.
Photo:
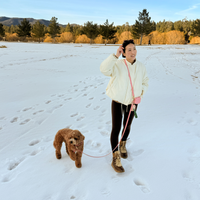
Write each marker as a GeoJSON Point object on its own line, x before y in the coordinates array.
{"type": "Point", "coordinates": [74, 144]}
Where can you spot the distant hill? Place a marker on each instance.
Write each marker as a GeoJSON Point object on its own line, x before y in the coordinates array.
{"type": "Point", "coordinates": [16, 21]}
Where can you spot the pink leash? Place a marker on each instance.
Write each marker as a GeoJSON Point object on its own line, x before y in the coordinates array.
{"type": "Point", "coordinates": [125, 125]}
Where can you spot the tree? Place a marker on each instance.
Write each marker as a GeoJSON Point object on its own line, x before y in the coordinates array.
{"type": "Point", "coordinates": [68, 28]}
{"type": "Point", "coordinates": [24, 29]}
{"type": "Point", "coordinates": [91, 30]}
{"type": "Point", "coordinates": [76, 30]}
{"type": "Point", "coordinates": [54, 28]}
{"type": "Point", "coordinates": [38, 30]}
{"type": "Point", "coordinates": [164, 26]}
{"type": "Point", "coordinates": [195, 29]}
{"type": "Point", "coordinates": [143, 26]}
{"type": "Point", "coordinates": [107, 31]}
{"type": "Point", "coordinates": [2, 30]}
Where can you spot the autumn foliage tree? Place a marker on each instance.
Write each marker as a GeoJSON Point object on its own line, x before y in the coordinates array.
{"type": "Point", "coordinates": [107, 31]}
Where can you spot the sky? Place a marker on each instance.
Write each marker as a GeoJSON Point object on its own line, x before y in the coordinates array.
{"type": "Point", "coordinates": [117, 11]}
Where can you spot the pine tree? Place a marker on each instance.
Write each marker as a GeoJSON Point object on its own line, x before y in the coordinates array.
{"type": "Point", "coordinates": [68, 28]}
{"type": "Point", "coordinates": [38, 30]}
{"type": "Point", "coordinates": [2, 30]}
{"type": "Point", "coordinates": [164, 26]}
{"type": "Point", "coordinates": [24, 29]}
{"type": "Point", "coordinates": [195, 29]}
{"type": "Point", "coordinates": [143, 26]}
{"type": "Point", "coordinates": [54, 28]}
{"type": "Point", "coordinates": [107, 31]}
{"type": "Point", "coordinates": [91, 30]}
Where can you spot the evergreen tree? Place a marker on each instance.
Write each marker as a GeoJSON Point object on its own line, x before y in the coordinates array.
{"type": "Point", "coordinates": [107, 31]}
{"type": "Point", "coordinates": [2, 30]}
{"type": "Point", "coordinates": [142, 26]}
{"type": "Point", "coordinates": [24, 29]}
{"type": "Point", "coordinates": [68, 28]}
{"type": "Point", "coordinates": [91, 30]}
{"type": "Point", "coordinates": [178, 25]}
{"type": "Point", "coordinates": [195, 29]}
{"type": "Point", "coordinates": [38, 30]}
{"type": "Point", "coordinates": [164, 26]}
{"type": "Point", "coordinates": [76, 30]}
{"type": "Point", "coordinates": [54, 28]}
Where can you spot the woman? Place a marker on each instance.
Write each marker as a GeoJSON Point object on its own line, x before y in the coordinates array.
{"type": "Point", "coordinates": [119, 90]}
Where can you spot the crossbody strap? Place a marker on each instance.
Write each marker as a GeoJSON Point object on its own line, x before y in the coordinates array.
{"type": "Point", "coordinates": [129, 78]}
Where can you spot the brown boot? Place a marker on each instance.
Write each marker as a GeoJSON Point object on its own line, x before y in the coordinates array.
{"type": "Point", "coordinates": [122, 148]}
{"type": "Point", "coordinates": [116, 163]}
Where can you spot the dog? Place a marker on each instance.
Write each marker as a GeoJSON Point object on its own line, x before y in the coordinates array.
{"type": "Point", "coordinates": [74, 142]}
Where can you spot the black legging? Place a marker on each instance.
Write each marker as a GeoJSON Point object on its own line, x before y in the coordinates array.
{"type": "Point", "coordinates": [118, 110]}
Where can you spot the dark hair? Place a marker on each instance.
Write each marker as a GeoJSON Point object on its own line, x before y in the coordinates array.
{"type": "Point", "coordinates": [125, 43]}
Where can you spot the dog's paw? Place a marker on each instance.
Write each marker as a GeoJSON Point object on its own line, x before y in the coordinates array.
{"type": "Point", "coordinates": [78, 165]}
{"type": "Point", "coordinates": [58, 155]}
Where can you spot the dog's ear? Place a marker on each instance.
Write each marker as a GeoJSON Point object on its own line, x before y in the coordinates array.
{"type": "Point", "coordinates": [82, 137]}
{"type": "Point", "coordinates": [69, 134]}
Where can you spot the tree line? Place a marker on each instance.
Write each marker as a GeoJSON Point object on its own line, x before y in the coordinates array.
{"type": "Point", "coordinates": [143, 26]}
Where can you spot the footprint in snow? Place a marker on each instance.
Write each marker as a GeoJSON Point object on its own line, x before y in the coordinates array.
{"type": "Point", "coordinates": [35, 152]}
{"type": "Point", "coordinates": [105, 133]}
{"type": "Point", "coordinates": [12, 164]}
{"type": "Point", "coordinates": [14, 120]}
{"type": "Point", "coordinates": [88, 105]}
{"type": "Point", "coordinates": [105, 192]}
{"type": "Point", "coordinates": [73, 115]}
{"type": "Point", "coordinates": [26, 109]}
{"type": "Point", "coordinates": [5, 178]}
{"type": "Point", "coordinates": [137, 153]}
{"type": "Point", "coordinates": [34, 142]}
{"type": "Point", "coordinates": [80, 118]}
{"type": "Point", "coordinates": [97, 107]}
{"type": "Point", "coordinates": [35, 113]}
{"type": "Point", "coordinates": [48, 102]}
{"type": "Point", "coordinates": [192, 122]}
{"type": "Point", "coordinates": [67, 99]}
{"type": "Point", "coordinates": [142, 185]}
{"type": "Point", "coordinates": [91, 98]}
{"type": "Point", "coordinates": [53, 109]}
{"type": "Point", "coordinates": [92, 144]}
{"type": "Point", "coordinates": [25, 121]}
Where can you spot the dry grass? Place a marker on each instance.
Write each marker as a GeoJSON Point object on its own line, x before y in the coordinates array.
{"type": "Point", "coordinates": [3, 46]}
{"type": "Point", "coordinates": [195, 40]}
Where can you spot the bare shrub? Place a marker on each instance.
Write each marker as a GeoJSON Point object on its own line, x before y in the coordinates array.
{"type": "Point", "coordinates": [11, 37]}
{"type": "Point", "coordinates": [82, 39]}
{"type": "Point", "coordinates": [65, 37]}
{"type": "Point", "coordinates": [195, 40]}
{"type": "Point", "coordinates": [175, 37]}
{"type": "Point", "coordinates": [99, 40]}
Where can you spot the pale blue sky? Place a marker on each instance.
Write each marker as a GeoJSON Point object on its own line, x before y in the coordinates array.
{"type": "Point", "coordinates": [117, 11]}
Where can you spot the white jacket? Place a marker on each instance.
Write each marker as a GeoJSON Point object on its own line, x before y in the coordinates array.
{"type": "Point", "coordinates": [119, 87]}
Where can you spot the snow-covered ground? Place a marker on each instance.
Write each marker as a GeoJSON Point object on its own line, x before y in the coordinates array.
{"type": "Point", "coordinates": [47, 87]}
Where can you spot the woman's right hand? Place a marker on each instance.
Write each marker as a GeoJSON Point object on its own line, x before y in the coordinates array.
{"type": "Point", "coordinates": [119, 51]}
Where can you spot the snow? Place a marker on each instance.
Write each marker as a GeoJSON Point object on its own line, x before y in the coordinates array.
{"type": "Point", "coordinates": [47, 87]}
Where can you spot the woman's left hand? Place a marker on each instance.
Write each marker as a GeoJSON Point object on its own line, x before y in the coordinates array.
{"type": "Point", "coordinates": [134, 106]}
